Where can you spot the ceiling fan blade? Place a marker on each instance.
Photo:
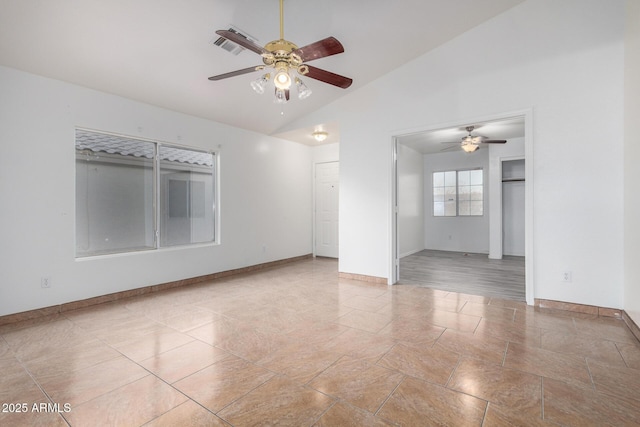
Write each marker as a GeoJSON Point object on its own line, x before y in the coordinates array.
{"type": "Point", "coordinates": [493, 141]}
{"type": "Point", "coordinates": [243, 41]}
{"type": "Point", "coordinates": [236, 73]}
{"type": "Point", "coordinates": [320, 49]}
{"type": "Point", "coordinates": [328, 77]}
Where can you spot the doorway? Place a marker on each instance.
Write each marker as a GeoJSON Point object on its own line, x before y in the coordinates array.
{"type": "Point", "coordinates": [327, 178]}
{"type": "Point", "coordinates": [521, 124]}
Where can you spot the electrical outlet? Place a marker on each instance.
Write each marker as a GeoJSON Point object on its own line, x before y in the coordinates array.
{"type": "Point", "coordinates": [45, 282]}
{"type": "Point", "coordinates": [566, 277]}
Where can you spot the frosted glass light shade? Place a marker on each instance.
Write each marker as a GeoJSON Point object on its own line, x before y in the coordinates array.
{"type": "Point", "coordinates": [260, 84]}
{"type": "Point", "coordinates": [281, 96]}
{"type": "Point", "coordinates": [282, 80]}
{"type": "Point", "coordinates": [303, 91]}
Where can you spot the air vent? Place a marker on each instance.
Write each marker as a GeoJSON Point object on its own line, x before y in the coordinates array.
{"type": "Point", "coordinates": [230, 46]}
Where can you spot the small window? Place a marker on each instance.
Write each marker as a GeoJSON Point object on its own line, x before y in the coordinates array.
{"type": "Point", "coordinates": [458, 193]}
{"type": "Point", "coordinates": [135, 195]}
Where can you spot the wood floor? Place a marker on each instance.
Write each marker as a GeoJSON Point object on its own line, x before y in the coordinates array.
{"type": "Point", "coordinates": [467, 273]}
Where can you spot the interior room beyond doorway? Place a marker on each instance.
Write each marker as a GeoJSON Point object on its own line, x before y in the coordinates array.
{"type": "Point", "coordinates": [454, 247]}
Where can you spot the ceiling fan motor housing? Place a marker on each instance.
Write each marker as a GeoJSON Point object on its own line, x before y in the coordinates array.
{"type": "Point", "coordinates": [280, 55]}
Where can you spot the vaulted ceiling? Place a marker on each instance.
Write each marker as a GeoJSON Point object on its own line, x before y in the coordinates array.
{"type": "Point", "coordinates": [161, 52]}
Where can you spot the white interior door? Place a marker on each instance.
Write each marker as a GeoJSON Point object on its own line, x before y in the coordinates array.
{"type": "Point", "coordinates": [326, 223]}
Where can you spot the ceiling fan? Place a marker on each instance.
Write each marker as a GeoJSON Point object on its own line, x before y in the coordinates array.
{"type": "Point", "coordinates": [282, 58]}
{"type": "Point", "coordinates": [471, 143]}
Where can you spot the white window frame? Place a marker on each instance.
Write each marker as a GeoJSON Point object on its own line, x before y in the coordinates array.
{"type": "Point", "coordinates": [156, 194]}
{"type": "Point", "coordinates": [453, 197]}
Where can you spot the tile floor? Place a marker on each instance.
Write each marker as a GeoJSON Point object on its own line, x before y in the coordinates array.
{"type": "Point", "coordinates": [295, 345]}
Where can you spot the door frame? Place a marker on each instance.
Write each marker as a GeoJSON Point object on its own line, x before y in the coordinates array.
{"type": "Point", "coordinates": [394, 261]}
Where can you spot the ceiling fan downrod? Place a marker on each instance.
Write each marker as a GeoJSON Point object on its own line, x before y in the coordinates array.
{"type": "Point", "coordinates": [281, 20]}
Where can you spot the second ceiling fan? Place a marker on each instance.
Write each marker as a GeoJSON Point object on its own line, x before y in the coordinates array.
{"type": "Point", "coordinates": [471, 143]}
{"type": "Point", "coordinates": [284, 59]}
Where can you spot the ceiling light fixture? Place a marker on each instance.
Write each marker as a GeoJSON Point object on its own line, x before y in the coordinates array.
{"type": "Point", "coordinates": [320, 135]}
{"type": "Point", "coordinates": [469, 147]}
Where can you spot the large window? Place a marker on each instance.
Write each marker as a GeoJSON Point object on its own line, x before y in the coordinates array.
{"type": "Point", "coordinates": [134, 195]}
{"type": "Point", "coordinates": [458, 193]}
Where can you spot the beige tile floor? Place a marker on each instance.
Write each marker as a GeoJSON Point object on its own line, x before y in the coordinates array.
{"type": "Point", "coordinates": [297, 346]}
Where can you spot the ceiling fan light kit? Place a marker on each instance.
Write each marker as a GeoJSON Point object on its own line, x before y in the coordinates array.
{"type": "Point", "coordinates": [469, 147]}
{"type": "Point", "coordinates": [285, 58]}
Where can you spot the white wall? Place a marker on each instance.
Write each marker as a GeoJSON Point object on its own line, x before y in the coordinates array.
{"type": "Point", "coordinates": [265, 204]}
{"type": "Point", "coordinates": [458, 234]}
{"type": "Point", "coordinates": [631, 156]}
{"type": "Point", "coordinates": [326, 153]}
{"type": "Point", "coordinates": [562, 60]}
{"type": "Point", "coordinates": [410, 201]}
